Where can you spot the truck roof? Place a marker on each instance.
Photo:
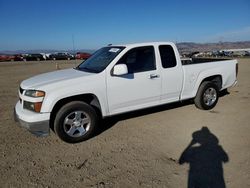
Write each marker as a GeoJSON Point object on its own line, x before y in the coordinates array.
{"type": "Point", "coordinates": [144, 44]}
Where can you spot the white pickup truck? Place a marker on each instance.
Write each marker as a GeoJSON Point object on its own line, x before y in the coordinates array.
{"type": "Point", "coordinates": [114, 80]}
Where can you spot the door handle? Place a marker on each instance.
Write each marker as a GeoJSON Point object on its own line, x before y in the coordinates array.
{"type": "Point", "coordinates": [152, 76]}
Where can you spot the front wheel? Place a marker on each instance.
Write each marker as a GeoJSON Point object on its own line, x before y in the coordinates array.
{"type": "Point", "coordinates": [207, 96]}
{"type": "Point", "coordinates": [75, 122]}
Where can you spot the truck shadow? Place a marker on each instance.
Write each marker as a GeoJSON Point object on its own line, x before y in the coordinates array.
{"type": "Point", "coordinates": [224, 93]}
{"type": "Point", "coordinates": [205, 157]}
{"type": "Point", "coordinates": [109, 122]}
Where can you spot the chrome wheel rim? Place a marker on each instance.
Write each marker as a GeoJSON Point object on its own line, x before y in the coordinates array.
{"type": "Point", "coordinates": [76, 124]}
{"type": "Point", "coordinates": [210, 96]}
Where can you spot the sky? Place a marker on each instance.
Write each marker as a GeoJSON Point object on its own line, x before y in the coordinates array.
{"type": "Point", "coordinates": [91, 24]}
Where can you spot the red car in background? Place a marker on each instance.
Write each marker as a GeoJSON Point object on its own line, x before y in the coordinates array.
{"type": "Point", "coordinates": [7, 57]}
{"type": "Point", "coordinates": [82, 55]}
{"type": "Point", "coordinates": [16, 57]}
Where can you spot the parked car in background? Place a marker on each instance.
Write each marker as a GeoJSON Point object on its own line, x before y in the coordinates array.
{"type": "Point", "coordinates": [47, 55]}
{"type": "Point", "coordinates": [35, 57]}
{"type": "Point", "coordinates": [247, 53]}
{"type": "Point", "coordinates": [82, 55]}
{"type": "Point", "coordinates": [4, 57]}
{"type": "Point", "coordinates": [18, 57]}
{"type": "Point", "coordinates": [44, 56]}
{"type": "Point", "coordinates": [61, 56]}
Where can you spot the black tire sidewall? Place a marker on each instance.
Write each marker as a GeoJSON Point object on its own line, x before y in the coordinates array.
{"type": "Point", "coordinates": [66, 110]}
{"type": "Point", "coordinates": [201, 92]}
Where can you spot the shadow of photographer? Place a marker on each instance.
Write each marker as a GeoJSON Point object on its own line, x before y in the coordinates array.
{"type": "Point", "coordinates": [205, 157]}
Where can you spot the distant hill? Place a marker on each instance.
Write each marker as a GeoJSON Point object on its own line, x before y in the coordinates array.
{"type": "Point", "coordinates": [201, 47]}
{"type": "Point", "coordinates": [183, 47]}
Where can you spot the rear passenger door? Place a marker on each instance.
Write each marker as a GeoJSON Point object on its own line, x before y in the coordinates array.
{"type": "Point", "coordinates": [140, 88]}
{"type": "Point", "coordinates": [172, 74]}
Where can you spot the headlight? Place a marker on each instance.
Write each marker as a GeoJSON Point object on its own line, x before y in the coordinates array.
{"type": "Point", "coordinates": [34, 93]}
{"type": "Point", "coordinates": [36, 107]}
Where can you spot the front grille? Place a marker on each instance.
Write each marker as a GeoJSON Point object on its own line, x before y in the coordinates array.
{"type": "Point", "coordinates": [21, 90]}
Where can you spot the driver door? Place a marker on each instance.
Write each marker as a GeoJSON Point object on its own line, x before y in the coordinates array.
{"type": "Point", "coordinates": [140, 88]}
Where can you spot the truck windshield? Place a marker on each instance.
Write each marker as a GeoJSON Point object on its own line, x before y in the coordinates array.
{"type": "Point", "coordinates": [100, 59]}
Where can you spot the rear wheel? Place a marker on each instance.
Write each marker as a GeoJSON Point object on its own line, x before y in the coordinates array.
{"type": "Point", "coordinates": [207, 96]}
{"type": "Point", "coordinates": [75, 122]}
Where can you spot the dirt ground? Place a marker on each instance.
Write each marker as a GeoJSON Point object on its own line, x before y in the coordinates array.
{"type": "Point", "coordinates": [139, 149]}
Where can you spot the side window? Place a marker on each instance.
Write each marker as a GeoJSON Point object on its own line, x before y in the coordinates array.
{"type": "Point", "coordinates": [168, 58]}
{"type": "Point", "coordinates": [139, 59]}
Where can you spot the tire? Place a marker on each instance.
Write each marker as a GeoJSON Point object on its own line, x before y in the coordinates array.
{"type": "Point", "coordinates": [207, 96]}
{"type": "Point", "coordinates": [75, 122]}
{"type": "Point", "coordinates": [38, 59]}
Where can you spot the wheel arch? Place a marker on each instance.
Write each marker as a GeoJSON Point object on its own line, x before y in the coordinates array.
{"type": "Point", "coordinates": [89, 98]}
{"type": "Point", "coordinates": [217, 79]}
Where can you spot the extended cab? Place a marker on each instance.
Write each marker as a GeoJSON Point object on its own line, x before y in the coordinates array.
{"type": "Point", "coordinates": [114, 80]}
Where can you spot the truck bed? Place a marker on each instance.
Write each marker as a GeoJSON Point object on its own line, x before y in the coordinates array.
{"type": "Point", "coordinates": [190, 61]}
{"type": "Point", "coordinates": [197, 70]}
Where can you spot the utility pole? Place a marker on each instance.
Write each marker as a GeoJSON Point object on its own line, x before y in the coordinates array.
{"type": "Point", "coordinates": [73, 43]}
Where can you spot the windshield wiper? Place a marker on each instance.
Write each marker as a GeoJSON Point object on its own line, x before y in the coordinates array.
{"type": "Point", "coordinates": [86, 69]}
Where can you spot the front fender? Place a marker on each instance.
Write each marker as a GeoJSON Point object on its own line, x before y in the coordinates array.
{"type": "Point", "coordinates": [69, 88]}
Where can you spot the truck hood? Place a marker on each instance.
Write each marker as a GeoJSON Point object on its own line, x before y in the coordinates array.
{"type": "Point", "coordinates": [52, 77]}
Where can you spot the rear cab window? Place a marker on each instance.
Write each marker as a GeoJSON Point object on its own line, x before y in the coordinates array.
{"type": "Point", "coordinates": [168, 58]}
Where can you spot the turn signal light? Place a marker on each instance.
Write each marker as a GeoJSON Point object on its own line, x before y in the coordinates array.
{"type": "Point", "coordinates": [37, 106]}
{"type": "Point", "coordinates": [40, 94]}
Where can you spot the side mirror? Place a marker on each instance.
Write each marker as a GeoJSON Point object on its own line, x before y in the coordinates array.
{"type": "Point", "coordinates": [120, 69]}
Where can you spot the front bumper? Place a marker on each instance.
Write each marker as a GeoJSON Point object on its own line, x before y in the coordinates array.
{"type": "Point", "coordinates": [36, 123]}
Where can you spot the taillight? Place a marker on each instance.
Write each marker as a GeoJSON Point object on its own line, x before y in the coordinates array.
{"type": "Point", "coordinates": [237, 69]}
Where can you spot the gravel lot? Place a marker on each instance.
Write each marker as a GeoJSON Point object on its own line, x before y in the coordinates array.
{"type": "Point", "coordinates": [139, 149]}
